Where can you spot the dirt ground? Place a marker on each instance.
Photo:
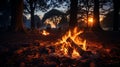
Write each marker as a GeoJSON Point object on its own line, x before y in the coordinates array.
{"type": "Point", "coordinates": [10, 43]}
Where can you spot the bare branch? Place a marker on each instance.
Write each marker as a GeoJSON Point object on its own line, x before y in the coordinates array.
{"type": "Point", "coordinates": [34, 6]}
{"type": "Point", "coordinates": [27, 1]}
{"type": "Point", "coordinates": [27, 8]}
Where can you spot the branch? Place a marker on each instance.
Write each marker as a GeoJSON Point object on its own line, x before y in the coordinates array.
{"type": "Point", "coordinates": [34, 5]}
{"type": "Point", "coordinates": [27, 1]}
{"type": "Point", "coordinates": [27, 8]}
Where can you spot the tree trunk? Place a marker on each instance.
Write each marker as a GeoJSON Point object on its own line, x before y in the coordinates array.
{"type": "Point", "coordinates": [96, 25]}
{"type": "Point", "coordinates": [32, 16]}
{"type": "Point", "coordinates": [73, 13]}
{"type": "Point", "coordinates": [17, 16]}
{"type": "Point", "coordinates": [87, 12]}
{"type": "Point", "coordinates": [116, 15]}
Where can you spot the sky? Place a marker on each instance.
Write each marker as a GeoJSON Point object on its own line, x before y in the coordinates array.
{"type": "Point", "coordinates": [65, 8]}
{"type": "Point", "coordinates": [41, 14]}
{"type": "Point", "coordinates": [62, 8]}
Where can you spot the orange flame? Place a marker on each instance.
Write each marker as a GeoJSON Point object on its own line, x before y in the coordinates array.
{"type": "Point", "coordinates": [75, 54]}
{"type": "Point", "coordinates": [44, 32]}
{"type": "Point", "coordinates": [66, 45]}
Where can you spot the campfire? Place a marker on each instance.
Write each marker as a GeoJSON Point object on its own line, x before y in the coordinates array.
{"type": "Point", "coordinates": [71, 44]}
{"type": "Point", "coordinates": [69, 50]}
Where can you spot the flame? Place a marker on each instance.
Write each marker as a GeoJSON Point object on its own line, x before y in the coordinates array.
{"type": "Point", "coordinates": [84, 45]}
{"type": "Point", "coordinates": [66, 42]}
{"type": "Point", "coordinates": [44, 32]}
{"type": "Point", "coordinates": [75, 54]}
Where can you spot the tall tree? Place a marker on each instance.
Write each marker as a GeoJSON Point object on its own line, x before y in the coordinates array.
{"type": "Point", "coordinates": [32, 6]}
{"type": "Point", "coordinates": [96, 25]}
{"type": "Point", "coordinates": [31, 10]}
{"type": "Point", "coordinates": [73, 13]}
{"type": "Point", "coordinates": [4, 13]}
{"type": "Point", "coordinates": [116, 15]}
{"type": "Point", "coordinates": [17, 15]}
{"type": "Point", "coordinates": [3, 4]}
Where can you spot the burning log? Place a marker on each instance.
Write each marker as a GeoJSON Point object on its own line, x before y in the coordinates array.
{"type": "Point", "coordinates": [70, 51]}
{"type": "Point", "coordinates": [84, 54]}
{"type": "Point", "coordinates": [73, 45]}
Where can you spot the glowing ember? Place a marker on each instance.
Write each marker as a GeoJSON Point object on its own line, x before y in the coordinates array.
{"type": "Point", "coordinates": [68, 41]}
{"type": "Point", "coordinates": [44, 32]}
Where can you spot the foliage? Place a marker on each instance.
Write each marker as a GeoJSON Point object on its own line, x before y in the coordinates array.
{"type": "Point", "coordinates": [44, 5]}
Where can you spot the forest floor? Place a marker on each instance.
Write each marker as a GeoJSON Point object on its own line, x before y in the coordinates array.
{"type": "Point", "coordinates": [21, 50]}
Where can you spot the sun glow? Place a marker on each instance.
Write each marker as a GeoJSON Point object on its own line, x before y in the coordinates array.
{"type": "Point", "coordinates": [90, 20]}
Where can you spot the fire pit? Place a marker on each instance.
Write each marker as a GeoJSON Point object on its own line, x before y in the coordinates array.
{"type": "Point", "coordinates": [70, 50]}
